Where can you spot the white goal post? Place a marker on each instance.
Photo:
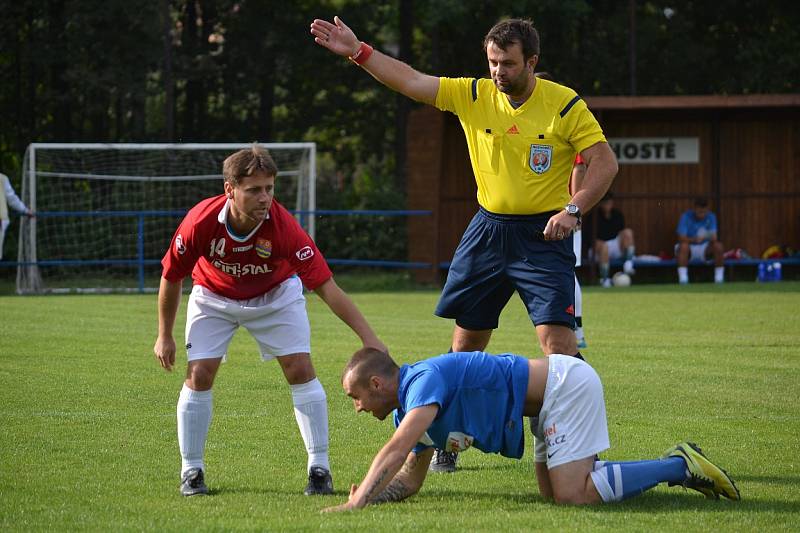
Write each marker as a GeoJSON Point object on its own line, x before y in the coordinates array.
{"type": "Point", "coordinates": [105, 213]}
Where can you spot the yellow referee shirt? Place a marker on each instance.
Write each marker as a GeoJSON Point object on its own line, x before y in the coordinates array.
{"type": "Point", "coordinates": [522, 158]}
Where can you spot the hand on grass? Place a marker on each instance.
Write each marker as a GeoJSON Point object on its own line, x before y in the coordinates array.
{"type": "Point", "coordinates": [350, 505]}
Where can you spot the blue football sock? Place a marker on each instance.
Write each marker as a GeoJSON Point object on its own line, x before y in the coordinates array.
{"type": "Point", "coordinates": [601, 464]}
{"type": "Point", "coordinates": [619, 481]}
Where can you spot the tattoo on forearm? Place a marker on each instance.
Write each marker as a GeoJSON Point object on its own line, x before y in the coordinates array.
{"type": "Point", "coordinates": [410, 464]}
{"type": "Point", "coordinates": [394, 492]}
{"type": "Point", "coordinates": [375, 485]}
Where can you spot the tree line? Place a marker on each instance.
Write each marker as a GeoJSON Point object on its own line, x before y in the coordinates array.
{"type": "Point", "coordinates": [242, 70]}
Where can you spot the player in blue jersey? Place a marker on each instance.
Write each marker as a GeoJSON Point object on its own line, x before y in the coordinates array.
{"type": "Point", "coordinates": [468, 400]}
{"type": "Point", "coordinates": [697, 239]}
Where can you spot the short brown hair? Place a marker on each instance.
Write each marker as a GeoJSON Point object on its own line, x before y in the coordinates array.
{"type": "Point", "coordinates": [508, 32]}
{"type": "Point", "coordinates": [368, 362]}
{"type": "Point", "coordinates": [247, 162]}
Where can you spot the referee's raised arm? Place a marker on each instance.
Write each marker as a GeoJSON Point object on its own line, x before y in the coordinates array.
{"type": "Point", "coordinates": [337, 37]}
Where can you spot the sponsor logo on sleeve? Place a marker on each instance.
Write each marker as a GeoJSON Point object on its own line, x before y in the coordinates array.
{"type": "Point", "coordinates": [458, 442]}
{"type": "Point", "coordinates": [179, 246]}
{"type": "Point", "coordinates": [305, 253]}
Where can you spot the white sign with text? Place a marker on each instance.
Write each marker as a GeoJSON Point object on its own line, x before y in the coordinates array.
{"type": "Point", "coordinates": [655, 150]}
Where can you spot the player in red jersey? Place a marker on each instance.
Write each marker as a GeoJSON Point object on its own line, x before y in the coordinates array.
{"type": "Point", "coordinates": [249, 259]}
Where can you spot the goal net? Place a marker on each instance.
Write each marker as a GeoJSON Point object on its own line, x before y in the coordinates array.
{"type": "Point", "coordinates": [105, 213]}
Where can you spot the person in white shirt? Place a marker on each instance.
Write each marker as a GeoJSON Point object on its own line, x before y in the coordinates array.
{"type": "Point", "coordinates": [8, 198]}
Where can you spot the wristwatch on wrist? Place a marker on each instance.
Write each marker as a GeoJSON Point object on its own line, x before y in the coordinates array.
{"type": "Point", "coordinates": [573, 210]}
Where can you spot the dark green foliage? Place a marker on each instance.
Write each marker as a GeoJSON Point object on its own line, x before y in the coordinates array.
{"type": "Point", "coordinates": [96, 71]}
{"type": "Point", "coordinates": [241, 70]}
{"type": "Point", "coordinates": [356, 236]}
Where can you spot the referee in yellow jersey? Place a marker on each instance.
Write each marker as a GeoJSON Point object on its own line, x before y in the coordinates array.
{"type": "Point", "coordinates": [523, 134]}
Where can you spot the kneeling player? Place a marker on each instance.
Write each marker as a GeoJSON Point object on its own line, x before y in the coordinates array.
{"type": "Point", "coordinates": [249, 259]}
{"type": "Point", "coordinates": [458, 401]}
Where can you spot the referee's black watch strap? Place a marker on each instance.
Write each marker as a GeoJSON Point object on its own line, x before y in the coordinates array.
{"type": "Point", "coordinates": [573, 210]}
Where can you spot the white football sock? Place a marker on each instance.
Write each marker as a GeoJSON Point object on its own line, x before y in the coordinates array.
{"type": "Point", "coordinates": [683, 274]}
{"type": "Point", "coordinates": [719, 274]}
{"type": "Point", "coordinates": [194, 418]}
{"type": "Point", "coordinates": [311, 412]}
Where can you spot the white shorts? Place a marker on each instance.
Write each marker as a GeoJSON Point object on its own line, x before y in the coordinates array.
{"type": "Point", "coordinates": [613, 249]}
{"type": "Point", "coordinates": [277, 321]}
{"type": "Point", "coordinates": [697, 252]}
{"type": "Point", "coordinates": [576, 247]}
{"type": "Point", "coordinates": [572, 421]}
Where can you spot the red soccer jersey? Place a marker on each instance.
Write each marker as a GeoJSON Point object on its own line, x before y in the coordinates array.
{"type": "Point", "coordinates": [579, 160]}
{"type": "Point", "coordinates": [242, 268]}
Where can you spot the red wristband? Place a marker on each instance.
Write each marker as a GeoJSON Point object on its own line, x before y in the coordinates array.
{"type": "Point", "coordinates": [362, 54]}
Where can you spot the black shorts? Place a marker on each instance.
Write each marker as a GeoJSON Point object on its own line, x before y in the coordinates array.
{"type": "Point", "coordinates": [499, 254]}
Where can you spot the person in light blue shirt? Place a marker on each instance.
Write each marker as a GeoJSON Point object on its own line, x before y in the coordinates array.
{"type": "Point", "coordinates": [697, 240]}
{"type": "Point", "coordinates": [459, 401]}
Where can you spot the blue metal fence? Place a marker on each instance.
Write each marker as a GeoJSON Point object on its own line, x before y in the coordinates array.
{"type": "Point", "coordinates": [140, 261]}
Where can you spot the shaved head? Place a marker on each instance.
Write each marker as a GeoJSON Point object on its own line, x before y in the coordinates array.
{"type": "Point", "coordinates": [368, 362]}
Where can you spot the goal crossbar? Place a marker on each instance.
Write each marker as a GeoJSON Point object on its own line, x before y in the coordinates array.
{"type": "Point", "coordinates": [92, 183]}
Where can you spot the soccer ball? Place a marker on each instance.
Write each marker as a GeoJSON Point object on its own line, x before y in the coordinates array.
{"type": "Point", "coordinates": [621, 279]}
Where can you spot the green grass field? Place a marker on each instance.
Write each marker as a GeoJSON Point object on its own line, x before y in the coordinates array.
{"type": "Point", "coordinates": [88, 417]}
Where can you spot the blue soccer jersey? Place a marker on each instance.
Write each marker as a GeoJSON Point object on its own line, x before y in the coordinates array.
{"type": "Point", "coordinates": [690, 227]}
{"type": "Point", "coordinates": [480, 399]}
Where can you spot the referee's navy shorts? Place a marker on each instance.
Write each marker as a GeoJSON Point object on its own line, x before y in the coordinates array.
{"type": "Point", "coordinates": [499, 254]}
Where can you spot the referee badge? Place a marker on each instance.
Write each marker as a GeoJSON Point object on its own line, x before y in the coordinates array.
{"type": "Point", "coordinates": [540, 157]}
